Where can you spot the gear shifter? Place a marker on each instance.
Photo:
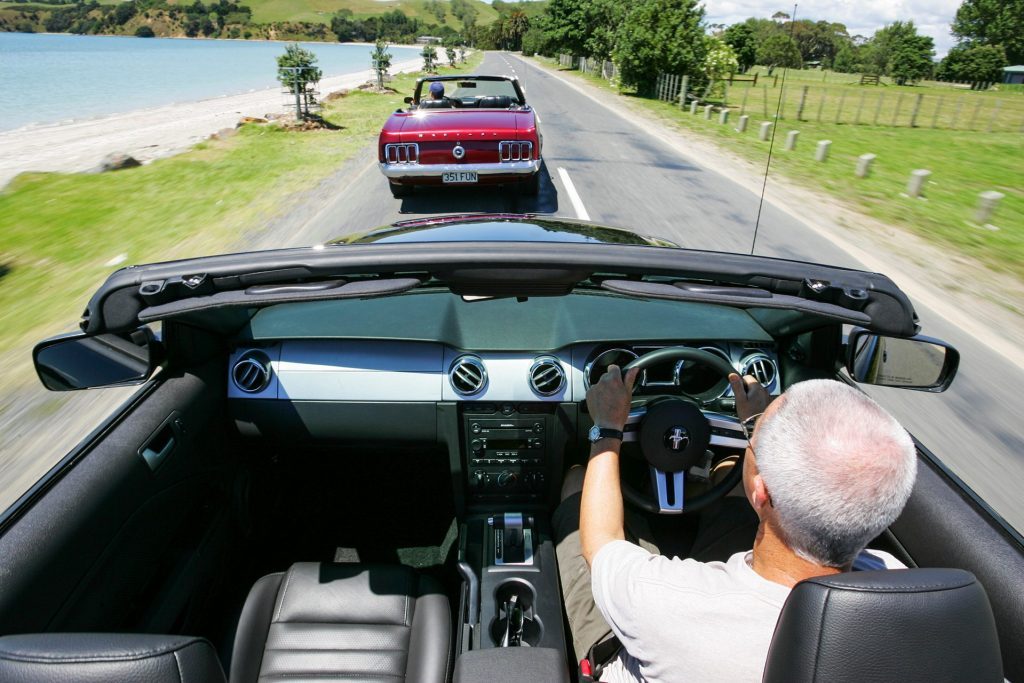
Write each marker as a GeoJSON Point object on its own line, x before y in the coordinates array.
{"type": "Point", "coordinates": [513, 538]}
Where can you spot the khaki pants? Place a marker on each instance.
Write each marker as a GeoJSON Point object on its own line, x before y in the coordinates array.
{"type": "Point", "coordinates": [725, 528]}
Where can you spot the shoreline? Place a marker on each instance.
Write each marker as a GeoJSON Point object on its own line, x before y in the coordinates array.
{"type": "Point", "coordinates": [147, 134]}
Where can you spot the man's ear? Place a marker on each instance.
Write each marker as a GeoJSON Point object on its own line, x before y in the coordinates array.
{"type": "Point", "coordinates": [759, 496]}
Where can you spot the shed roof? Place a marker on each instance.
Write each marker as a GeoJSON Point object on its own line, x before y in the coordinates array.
{"type": "Point", "coordinates": [1019, 69]}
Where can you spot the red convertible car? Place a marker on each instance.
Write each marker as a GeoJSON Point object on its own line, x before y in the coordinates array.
{"type": "Point", "coordinates": [462, 130]}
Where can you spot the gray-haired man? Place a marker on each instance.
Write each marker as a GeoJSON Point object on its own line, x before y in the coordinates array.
{"type": "Point", "coordinates": [826, 471]}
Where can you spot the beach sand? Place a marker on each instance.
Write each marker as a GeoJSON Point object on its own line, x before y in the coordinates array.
{"type": "Point", "coordinates": [147, 134]}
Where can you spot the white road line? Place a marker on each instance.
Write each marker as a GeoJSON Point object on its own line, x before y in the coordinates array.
{"type": "Point", "coordinates": [574, 198]}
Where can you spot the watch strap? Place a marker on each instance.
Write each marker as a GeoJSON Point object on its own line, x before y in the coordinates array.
{"type": "Point", "coordinates": [607, 433]}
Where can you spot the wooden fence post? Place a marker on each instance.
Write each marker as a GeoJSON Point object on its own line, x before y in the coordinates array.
{"type": "Point", "coordinates": [839, 111]}
{"type": "Point", "coordinates": [956, 112]}
{"type": "Point", "coordinates": [682, 91]}
{"type": "Point", "coordinates": [743, 105]}
{"type": "Point", "coordinates": [992, 119]}
{"type": "Point", "coordinates": [860, 105]}
{"type": "Point", "coordinates": [938, 108]}
{"type": "Point", "coordinates": [878, 109]}
{"type": "Point", "coordinates": [974, 116]}
{"type": "Point", "coordinates": [917, 108]}
{"type": "Point", "coordinates": [765, 99]}
{"type": "Point", "coordinates": [821, 104]}
{"type": "Point", "coordinates": [800, 107]}
{"type": "Point", "coordinates": [896, 113]}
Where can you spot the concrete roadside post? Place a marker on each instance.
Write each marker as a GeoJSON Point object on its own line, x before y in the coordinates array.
{"type": "Point", "coordinates": [723, 117]}
{"type": "Point", "coordinates": [765, 131]}
{"type": "Point", "coordinates": [918, 177]}
{"type": "Point", "coordinates": [864, 162]}
{"type": "Point", "coordinates": [987, 203]}
{"type": "Point", "coordinates": [791, 140]}
{"type": "Point", "coordinates": [707, 112]}
{"type": "Point", "coordinates": [682, 91]}
{"type": "Point", "coordinates": [742, 127]}
{"type": "Point", "coordinates": [693, 108]}
{"type": "Point", "coordinates": [821, 153]}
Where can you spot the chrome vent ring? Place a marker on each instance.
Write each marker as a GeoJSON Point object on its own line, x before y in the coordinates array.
{"type": "Point", "coordinates": [761, 367]}
{"type": "Point", "coordinates": [467, 375]}
{"type": "Point", "coordinates": [251, 373]}
{"type": "Point", "coordinates": [547, 377]}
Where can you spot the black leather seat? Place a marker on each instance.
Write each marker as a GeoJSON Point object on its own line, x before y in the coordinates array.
{"type": "Point", "coordinates": [355, 622]}
{"type": "Point", "coordinates": [106, 657]}
{"type": "Point", "coordinates": [926, 625]}
{"type": "Point", "coordinates": [443, 103]}
{"type": "Point", "coordinates": [494, 102]}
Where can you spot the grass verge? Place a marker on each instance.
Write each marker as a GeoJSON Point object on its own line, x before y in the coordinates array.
{"type": "Point", "coordinates": [62, 234]}
{"type": "Point", "coordinates": [963, 164]}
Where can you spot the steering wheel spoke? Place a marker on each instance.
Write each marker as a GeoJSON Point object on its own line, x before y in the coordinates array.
{"type": "Point", "coordinates": [669, 488]}
{"type": "Point", "coordinates": [726, 431]}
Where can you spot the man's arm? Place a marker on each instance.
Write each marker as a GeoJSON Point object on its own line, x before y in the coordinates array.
{"type": "Point", "coordinates": [601, 514]}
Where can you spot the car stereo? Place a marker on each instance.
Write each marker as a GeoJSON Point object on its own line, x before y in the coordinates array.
{"type": "Point", "coordinates": [506, 450]}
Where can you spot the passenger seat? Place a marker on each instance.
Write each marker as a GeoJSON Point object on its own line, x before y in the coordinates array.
{"type": "Point", "coordinates": [372, 623]}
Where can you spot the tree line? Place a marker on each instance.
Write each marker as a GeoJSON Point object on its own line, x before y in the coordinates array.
{"type": "Point", "coordinates": [648, 37]}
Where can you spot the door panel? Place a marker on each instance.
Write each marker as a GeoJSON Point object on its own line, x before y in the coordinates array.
{"type": "Point", "coordinates": [943, 526]}
{"type": "Point", "coordinates": [100, 547]}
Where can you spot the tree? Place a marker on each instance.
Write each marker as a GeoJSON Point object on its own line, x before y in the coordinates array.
{"type": "Point", "coordinates": [515, 26]}
{"type": "Point", "coordinates": [449, 51]}
{"type": "Point", "coordinates": [719, 62]}
{"type": "Point", "coordinates": [848, 59]}
{"type": "Point", "coordinates": [344, 26]}
{"type": "Point", "coordinates": [429, 55]}
{"type": "Point", "coordinates": [298, 72]}
{"type": "Point", "coordinates": [661, 36]}
{"type": "Point", "coordinates": [144, 32]}
{"type": "Point", "coordinates": [741, 38]}
{"type": "Point", "coordinates": [535, 41]}
{"type": "Point", "coordinates": [993, 22]}
{"type": "Point", "coordinates": [584, 27]}
{"type": "Point", "coordinates": [381, 59]}
{"type": "Point", "coordinates": [898, 51]}
{"type": "Point", "coordinates": [975, 63]}
{"type": "Point", "coordinates": [779, 50]}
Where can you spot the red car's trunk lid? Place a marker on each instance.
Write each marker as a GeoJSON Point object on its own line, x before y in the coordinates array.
{"type": "Point", "coordinates": [465, 125]}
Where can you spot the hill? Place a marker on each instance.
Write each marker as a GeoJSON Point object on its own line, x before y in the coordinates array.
{"type": "Point", "coordinates": [320, 11]}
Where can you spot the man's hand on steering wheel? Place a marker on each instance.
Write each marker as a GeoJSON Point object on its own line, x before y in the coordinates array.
{"type": "Point", "coordinates": [608, 400]}
{"type": "Point", "coordinates": [751, 397]}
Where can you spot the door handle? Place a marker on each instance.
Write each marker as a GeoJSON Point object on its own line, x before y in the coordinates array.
{"type": "Point", "coordinates": [162, 442]}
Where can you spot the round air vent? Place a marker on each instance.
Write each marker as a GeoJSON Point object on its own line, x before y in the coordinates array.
{"type": "Point", "coordinates": [761, 367]}
{"type": "Point", "coordinates": [251, 373]}
{"type": "Point", "coordinates": [547, 376]}
{"type": "Point", "coordinates": [467, 375]}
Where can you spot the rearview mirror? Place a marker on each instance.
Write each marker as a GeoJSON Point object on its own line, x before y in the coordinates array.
{"type": "Point", "coordinates": [407, 100]}
{"type": "Point", "coordinates": [77, 361]}
{"type": "Point", "coordinates": [919, 363]}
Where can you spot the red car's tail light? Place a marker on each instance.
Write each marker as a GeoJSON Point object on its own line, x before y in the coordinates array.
{"type": "Point", "coordinates": [404, 153]}
{"type": "Point", "coordinates": [515, 150]}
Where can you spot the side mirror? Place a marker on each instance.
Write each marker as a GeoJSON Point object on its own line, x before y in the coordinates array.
{"type": "Point", "coordinates": [919, 363]}
{"type": "Point", "coordinates": [77, 361]}
{"type": "Point", "coordinates": [407, 100]}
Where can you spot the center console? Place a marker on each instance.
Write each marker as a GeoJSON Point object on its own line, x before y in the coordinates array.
{"type": "Point", "coordinates": [509, 449]}
{"type": "Point", "coordinates": [513, 601]}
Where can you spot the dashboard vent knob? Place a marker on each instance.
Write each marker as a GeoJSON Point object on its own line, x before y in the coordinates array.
{"type": "Point", "coordinates": [251, 373]}
{"type": "Point", "coordinates": [760, 367]}
{"type": "Point", "coordinates": [547, 376]}
{"type": "Point", "coordinates": [467, 375]}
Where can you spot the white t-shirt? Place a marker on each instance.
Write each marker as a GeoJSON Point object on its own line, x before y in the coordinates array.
{"type": "Point", "coordinates": [683, 620]}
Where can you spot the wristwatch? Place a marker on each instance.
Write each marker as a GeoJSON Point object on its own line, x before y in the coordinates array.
{"type": "Point", "coordinates": [598, 433]}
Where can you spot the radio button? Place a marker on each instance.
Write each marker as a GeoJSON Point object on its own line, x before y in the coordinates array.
{"type": "Point", "coordinates": [538, 427]}
{"type": "Point", "coordinates": [475, 427]}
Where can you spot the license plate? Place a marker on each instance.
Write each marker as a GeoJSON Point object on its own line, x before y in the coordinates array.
{"type": "Point", "coordinates": [458, 177]}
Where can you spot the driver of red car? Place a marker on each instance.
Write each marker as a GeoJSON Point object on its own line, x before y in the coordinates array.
{"type": "Point", "coordinates": [826, 471]}
{"type": "Point", "coordinates": [437, 96]}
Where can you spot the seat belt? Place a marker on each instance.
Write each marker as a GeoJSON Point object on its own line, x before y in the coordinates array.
{"type": "Point", "coordinates": [598, 657]}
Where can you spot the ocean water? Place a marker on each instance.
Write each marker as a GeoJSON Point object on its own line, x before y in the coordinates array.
{"type": "Point", "coordinates": [54, 78]}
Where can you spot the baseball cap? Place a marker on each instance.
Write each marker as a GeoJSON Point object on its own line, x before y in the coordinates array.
{"type": "Point", "coordinates": [437, 88]}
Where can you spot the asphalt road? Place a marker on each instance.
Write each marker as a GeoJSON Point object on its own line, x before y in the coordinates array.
{"type": "Point", "coordinates": [625, 177]}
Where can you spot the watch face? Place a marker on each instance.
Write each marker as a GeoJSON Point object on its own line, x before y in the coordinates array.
{"type": "Point", "coordinates": [595, 433]}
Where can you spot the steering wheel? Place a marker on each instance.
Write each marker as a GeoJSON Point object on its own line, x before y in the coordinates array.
{"type": "Point", "coordinates": [674, 436]}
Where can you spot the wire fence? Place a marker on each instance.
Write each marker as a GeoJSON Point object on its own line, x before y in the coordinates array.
{"type": "Point", "coordinates": [589, 65]}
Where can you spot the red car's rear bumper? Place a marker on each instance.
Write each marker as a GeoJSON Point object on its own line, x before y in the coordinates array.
{"type": "Point", "coordinates": [431, 174]}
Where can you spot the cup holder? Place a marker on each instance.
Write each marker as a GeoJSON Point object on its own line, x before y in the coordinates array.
{"type": "Point", "coordinates": [525, 596]}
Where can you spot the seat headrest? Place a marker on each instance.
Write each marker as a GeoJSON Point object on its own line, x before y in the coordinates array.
{"type": "Point", "coordinates": [494, 102]}
{"type": "Point", "coordinates": [104, 657]}
{"type": "Point", "coordinates": [444, 103]}
{"type": "Point", "coordinates": [896, 625]}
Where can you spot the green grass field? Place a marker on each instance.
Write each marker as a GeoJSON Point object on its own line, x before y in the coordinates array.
{"type": "Point", "coordinates": [60, 232]}
{"type": "Point", "coordinates": [963, 164]}
{"type": "Point", "coordinates": [265, 11]}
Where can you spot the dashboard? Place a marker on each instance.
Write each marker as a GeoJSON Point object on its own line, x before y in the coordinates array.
{"type": "Point", "coordinates": [413, 371]}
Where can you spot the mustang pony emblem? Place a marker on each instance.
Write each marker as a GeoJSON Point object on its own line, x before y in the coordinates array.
{"type": "Point", "coordinates": [677, 439]}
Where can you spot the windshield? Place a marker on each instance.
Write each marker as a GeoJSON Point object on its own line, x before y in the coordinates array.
{"type": "Point", "coordinates": [887, 142]}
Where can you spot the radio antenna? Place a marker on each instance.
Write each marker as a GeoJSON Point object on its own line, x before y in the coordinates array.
{"type": "Point", "coordinates": [771, 144]}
